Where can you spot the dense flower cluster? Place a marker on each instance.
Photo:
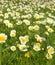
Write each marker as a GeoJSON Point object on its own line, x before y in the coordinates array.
{"type": "Point", "coordinates": [26, 27]}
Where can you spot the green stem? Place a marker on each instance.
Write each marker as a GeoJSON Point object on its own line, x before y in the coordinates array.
{"type": "Point", "coordinates": [0, 53]}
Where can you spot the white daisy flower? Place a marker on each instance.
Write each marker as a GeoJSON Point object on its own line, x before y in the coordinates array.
{"type": "Point", "coordinates": [48, 56]}
{"type": "Point", "coordinates": [23, 48]}
{"type": "Point", "coordinates": [36, 48]}
{"type": "Point", "coordinates": [3, 38]}
{"type": "Point", "coordinates": [13, 33]}
{"type": "Point", "coordinates": [27, 22]}
{"type": "Point", "coordinates": [6, 22]}
{"type": "Point", "coordinates": [13, 48]}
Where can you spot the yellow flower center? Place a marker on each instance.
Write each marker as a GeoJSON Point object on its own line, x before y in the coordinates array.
{"type": "Point", "coordinates": [48, 56]}
{"type": "Point", "coordinates": [13, 34]}
{"type": "Point", "coordinates": [13, 48]}
{"type": "Point", "coordinates": [23, 40]}
{"type": "Point", "coordinates": [27, 22]}
{"type": "Point", "coordinates": [2, 38]}
{"type": "Point", "coordinates": [36, 49]}
{"type": "Point", "coordinates": [38, 44]}
{"type": "Point", "coordinates": [27, 55]}
{"type": "Point", "coordinates": [23, 47]}
{"type": "Point", "coordinates": [50, 51]}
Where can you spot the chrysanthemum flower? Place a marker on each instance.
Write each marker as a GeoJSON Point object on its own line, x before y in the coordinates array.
{"type": "Point", "coordinates": [51, 50]}
{"type": "Point", "coordinates": [36, 16]}
{"type": "Point", "coordinates": [27, 54]}
{"type": "Point", "coordinates": [41, 16]}
{"type": "Point", "coordinates": [48, 56]}
{"type": "Point", "coordinates": [47, 26]}
{"type": "Point", "coordinates": [24, 39]}
{"type": "Point", "coordinates": [43, 6]}
{"type": "Point", "coordinates": [26, 16]}
{"type": "Point", "coordinates": [14, 18]}
{"type": "Point", "coordinates": [12, 14]}
{"type": "Point", "coordinates": [36, 48]}
{"type": "Point", "coordinates": [47, 33]}
{"type": "Point", "coordinates": [6, 15]}
{"type": "Point", "coordinates": [23, 48]}
{"type": "Point", "coordinates": [8, 9]}
{"type": "Point", "coordinates": [40, 39]}
{"type": "Point", "coordinates": [19, 23]}
{"type": "Point", "coordinates": [3, 37]}
{"type": "Point", "coordinates": [13, 33]}
{"type": "Point", "coordinates": [36, 27]}
{"type": "Point", "coordinates": [27, 38]}
{"type": "Point", "coordinates": [6, 22]}
{"type": "Point", "coordinates": [30, 27]}
{"type": "Point", "coordinates": [27, 22]}
{"type": "Point", "coordinates": [43, 22]}
{"type": "Point", "coordinates": [10, 25]}
{"type": "Point", "coordinates": [38, 44]}
{"type": "Point", "coordinates": [49, 20]}
{"type": "Point", "coordinates": [38, 22]}
{"type": "Point", "coordinates": [50, 30]}
{"type": "Point", "coordinates": [13, 48]}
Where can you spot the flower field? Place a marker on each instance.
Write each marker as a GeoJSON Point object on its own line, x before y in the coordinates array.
{"type": "Point", "coordinates": [27, 32]}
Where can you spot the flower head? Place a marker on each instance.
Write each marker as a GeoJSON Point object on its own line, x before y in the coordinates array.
{"type": "Point", "coordinates": [13, 33]}
{"type": "Point", "coordinates": [19, 23]}
{"type": "Point", "coordinates": [36, 48]}
{"type": "Point", "coordinates": [27, 54]}
{"type": "Point", "coordinates": [27, 22]}
{"type": "Point", "coordinates": [30, 27]}
{"type": "Point", "coordinates": [23, 47]}
{"type": "Point", "coordinates": [50, 50]}
{"type": "Point", "coordinates": [3, 37]}
{"type": "Point", "coordinates": [13, 48]}
{"type": "Point", "coordinates": [48, 56]}
{"type": "Point", "coordinates": [50, 30]}
{"type": "Point", "coordinates": [36, 27]}
{"type": "Point", "coordinates": [24, 39]}
{"type": "Point", "coordinates": [36, 16]}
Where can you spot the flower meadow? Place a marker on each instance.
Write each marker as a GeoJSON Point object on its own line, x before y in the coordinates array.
{"type": "Point", "coordinates": [27, 32]}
